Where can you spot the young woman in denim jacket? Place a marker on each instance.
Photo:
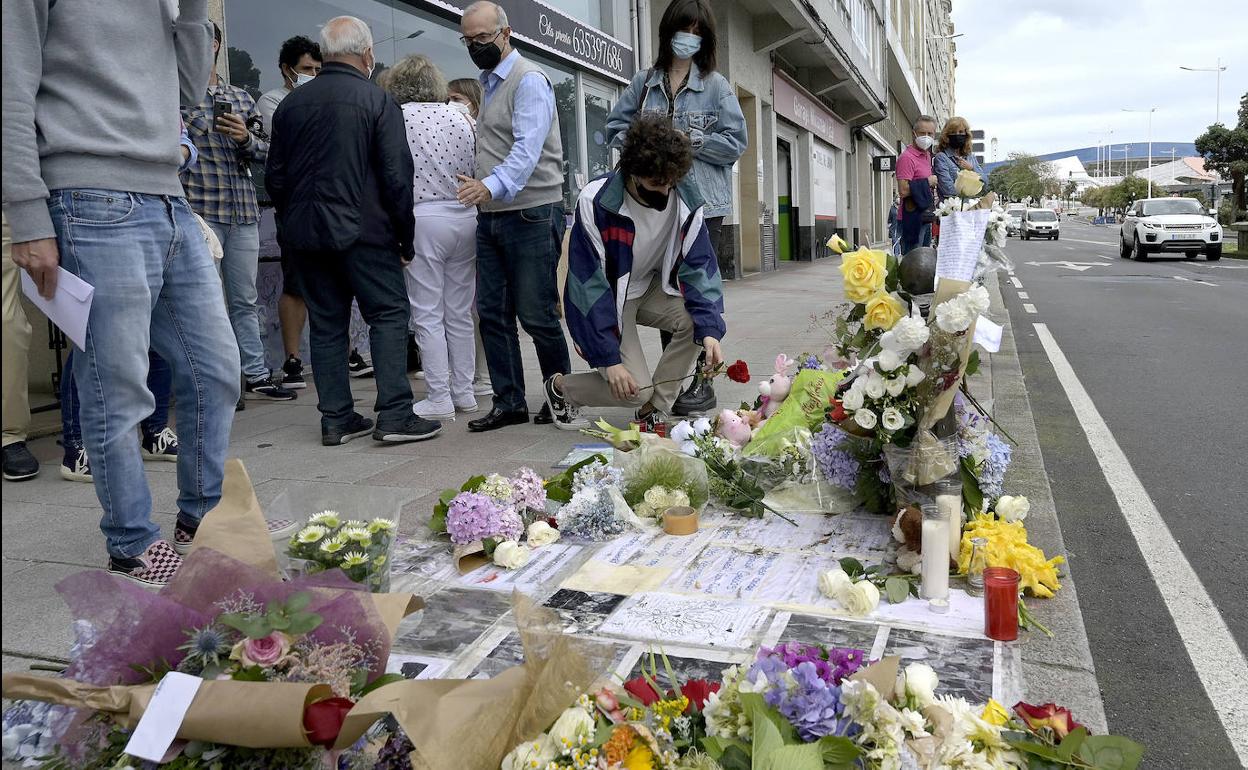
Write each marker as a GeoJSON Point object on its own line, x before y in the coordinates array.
{"type": "Point", "coordinates": [684, 85]}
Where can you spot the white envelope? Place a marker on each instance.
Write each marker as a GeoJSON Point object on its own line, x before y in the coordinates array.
{"type": "Point", "coordinates": [69, 308]}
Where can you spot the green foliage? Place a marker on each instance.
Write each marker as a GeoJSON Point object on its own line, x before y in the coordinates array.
{"type": "Point", "coordinates": [1196, 195]}
{"type": "Point", "coordinates": [289, 618]}
{"type": "Point", "coordinates": [559, 488]}
{"type": "Point", "coordinates": [662, 469]}
{"type": "Point", "coordinates": [972, 495]}
{"type": "Point", "coordinates": [1023, 176]}
{"type": "Point", "coordinates": [1225, 151]}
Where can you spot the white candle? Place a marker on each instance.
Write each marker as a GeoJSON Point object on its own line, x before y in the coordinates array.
{"type": "Point", "coordinates": [935, 559]}
{"type": "Point", "coordinates": [951, 507]}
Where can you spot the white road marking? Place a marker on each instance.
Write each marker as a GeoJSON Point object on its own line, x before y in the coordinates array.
{"type": "Point", "coordinates": [1218, 660]}
{"type": "Point", "coordinates": [1081, 240]}
{"type": "Point", "coordinates": [1194, 280]}
{"type": "Point", "coordinates": [1222, 267]}
{"type": "Point", "coordinates": [1017, 283]}
{"type": "Point", "coordinates": [1023, 295]}
{"type": "Point", "coordinates": [1079, 266]}
{"type": "Point", "coordinates": [1030, 308]}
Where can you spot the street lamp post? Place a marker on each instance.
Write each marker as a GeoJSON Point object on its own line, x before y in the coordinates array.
{"type": "Point", "coordinates": [1150, 112]}
{"type": "Point", "coordinates": [1219, 69]}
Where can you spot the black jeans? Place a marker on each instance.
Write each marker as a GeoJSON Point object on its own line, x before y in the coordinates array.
{"type": "Point", "coordinates": [714, 225]}
{"type": "Point", "coordinates": [517, 259]}
{"type": "Point", "coordinates": [373, 277]}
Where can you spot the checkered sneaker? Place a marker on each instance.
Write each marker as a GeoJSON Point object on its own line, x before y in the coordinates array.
{"type": "Point", "coordinates": [154, 568]}
{"type": "Point", "coordinates": [281, 527]}
{"type": "Point", "coordinates": [183, 538]}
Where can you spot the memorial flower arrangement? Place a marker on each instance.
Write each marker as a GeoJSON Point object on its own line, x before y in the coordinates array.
{"type": "Point", "coordinates": [597, 510]}
{"type": "Point", "coordinates": [497, 512]}
{"type": "Point", "coordinates": [1008, 547]}
{"type": "Point", "coordinates": [858, 588]}
{"type": "Point", "coordinates": [360, 549]}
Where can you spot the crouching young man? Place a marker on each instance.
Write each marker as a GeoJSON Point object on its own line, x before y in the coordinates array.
{"type": "Point", "coordinates": [639, 255]}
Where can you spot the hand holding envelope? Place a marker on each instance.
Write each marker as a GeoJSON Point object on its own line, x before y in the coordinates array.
{"type": "Point", "coordinates": [69, 307]}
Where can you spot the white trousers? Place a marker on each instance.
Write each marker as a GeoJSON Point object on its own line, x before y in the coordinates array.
{"type": "Point", "coordinates": [441, 287]}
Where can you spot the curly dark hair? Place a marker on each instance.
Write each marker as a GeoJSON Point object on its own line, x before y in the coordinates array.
{"type": "Point", "coordinates": [294, 48]}
{"type": "Point", "coordinates": [655, 149]}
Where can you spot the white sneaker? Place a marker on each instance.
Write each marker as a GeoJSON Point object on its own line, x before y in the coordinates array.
{"type": "Point", "coordinates": [482, 387]}
{"type": "Point", "coordinates": [434, 411]}
{"type": "Point", "coordinates": [467, 407]}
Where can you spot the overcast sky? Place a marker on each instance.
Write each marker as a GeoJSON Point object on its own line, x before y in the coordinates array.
{"type": "Point", "coordinates": [1048, 76]}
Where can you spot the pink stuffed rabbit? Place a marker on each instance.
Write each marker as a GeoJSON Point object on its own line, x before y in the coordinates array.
{"type": "Point", "coordinates": [776, 389]}
{"type": "Point", "coordinates": [734, 428]}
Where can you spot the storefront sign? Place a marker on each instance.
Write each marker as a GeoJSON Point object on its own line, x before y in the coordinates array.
{"type": "Point", "coordinates": [797, 106]}
{"type": "Point", "coordinates": [540, 25]}
{"type": "Point", "coordinates": [884, 163]}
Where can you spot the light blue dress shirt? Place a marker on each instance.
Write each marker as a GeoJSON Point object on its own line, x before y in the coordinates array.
{"type": "Point", "coordinates": [531, 114]}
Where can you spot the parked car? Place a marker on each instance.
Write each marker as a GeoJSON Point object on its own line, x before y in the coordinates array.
{"type": "Point", "coordinates": [1182, 225]}
{"type": "Point", "coordinates": [1013, 221]}
{"type": "Point", "coordinates": [1040, 223]}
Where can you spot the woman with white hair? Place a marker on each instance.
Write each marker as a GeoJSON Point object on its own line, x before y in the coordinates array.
{"type": "Point", "coordinates": [441, 279]}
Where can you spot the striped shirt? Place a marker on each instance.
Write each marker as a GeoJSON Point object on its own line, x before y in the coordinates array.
{"type": "Point", "coordinates": [219, 187]}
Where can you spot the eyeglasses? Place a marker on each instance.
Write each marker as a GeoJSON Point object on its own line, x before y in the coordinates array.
{"type": "Point", "coordinates": [483, 39]}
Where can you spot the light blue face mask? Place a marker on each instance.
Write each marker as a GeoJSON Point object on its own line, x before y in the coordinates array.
{"type": "Point", "coordinates": [685, 45]}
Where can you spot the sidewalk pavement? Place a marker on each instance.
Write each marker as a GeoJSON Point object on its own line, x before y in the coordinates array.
{"type": "Point", "coordinates": [50, 526]}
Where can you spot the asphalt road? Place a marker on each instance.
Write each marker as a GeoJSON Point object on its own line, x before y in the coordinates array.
{"type": "Point", "coordinates": [1162, 350]}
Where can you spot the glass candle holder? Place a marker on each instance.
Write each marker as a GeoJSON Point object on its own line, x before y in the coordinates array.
{"type": "Point", "coordinates": [976, 566]}
{"type": "Point", "coordinates": [935, 569]}
{"type": "Point", "coordinates": [949, 498]}
{"type": "Point", "coordinates": [1001, 604]}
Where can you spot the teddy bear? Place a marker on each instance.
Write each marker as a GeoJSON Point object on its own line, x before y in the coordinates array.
{"type": "Point", "coordinates": [776, 389]}
{"type": "Point", "coordinates": [734, 428]}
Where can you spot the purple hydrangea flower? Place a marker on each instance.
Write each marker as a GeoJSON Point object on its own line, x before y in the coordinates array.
{"type": "Point", "coordinates": [528, 490]}
{"type": "Point", "coordinates": [837, 465]}
{"type": "Point", "coordinates": [811, 361]}
{"type": "Point", "coordinates": [472, 517]}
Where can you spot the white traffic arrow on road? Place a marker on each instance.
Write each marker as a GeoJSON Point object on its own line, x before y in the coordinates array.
{"type": "Point", "coordinates": [1079, 266]}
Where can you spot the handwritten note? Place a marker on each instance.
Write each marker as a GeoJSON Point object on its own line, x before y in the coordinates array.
{"type": "Point", "coordinates": [961, 240]}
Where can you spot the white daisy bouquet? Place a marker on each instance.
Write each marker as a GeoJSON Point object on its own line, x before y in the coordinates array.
{"type": "Point", "coordinates": [360, 549]}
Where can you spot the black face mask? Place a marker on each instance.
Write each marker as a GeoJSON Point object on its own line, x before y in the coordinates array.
{"type": "Point", "coordinates": [957, 141]}
{"type": "Point", "coordinates": [485, 55]}
{"type": "Point", "coordinates": [651, 199]}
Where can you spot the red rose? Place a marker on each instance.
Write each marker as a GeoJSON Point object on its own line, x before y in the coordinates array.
{"type": "Point", "coordinates": [553, 522]}
{"type": "Point", "coordinates": [323, 720]}
{"type": "Point", "coordinates": [642, 690]}
{"type": "Point", "coordinates": [697, 691]}
{"type": "Point", "coordinates": [739, 372]}
{"type": "Point", "coordinates": [1050, 715]}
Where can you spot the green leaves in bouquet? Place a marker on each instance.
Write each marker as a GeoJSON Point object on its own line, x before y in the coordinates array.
{"type": "Point", "coordinates": [437, 522]}
{"type": "Point", "coordinates": [1078, 750]}
{"type": "Point", "coordinates": [893, 281]}
{"type": "Point", "coordinates": [897, 589]}
{"type": "Point", "coordinates": [776, 745]}
{"type": "Point", "coordinates": [559, 488]}
{"type": "Point", "coordinates": [971, 493]}
{"type": "Point", "coordinates": [972, 363]}
{"type": "Point", "coordinates": [288, 617]}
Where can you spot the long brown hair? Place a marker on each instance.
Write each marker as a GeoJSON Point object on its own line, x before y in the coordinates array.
{"type": "Point", "coordinates": [956, 125]}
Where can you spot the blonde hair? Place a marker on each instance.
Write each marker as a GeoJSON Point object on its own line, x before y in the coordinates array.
{"type": "Point", "coordinates": [956, 125]}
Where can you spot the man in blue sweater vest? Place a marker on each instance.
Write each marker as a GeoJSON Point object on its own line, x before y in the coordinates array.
{"type": "Point", "coordinates": [639, 255]}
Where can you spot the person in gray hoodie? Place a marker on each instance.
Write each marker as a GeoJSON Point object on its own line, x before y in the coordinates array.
{"type": "Point", "coordinates": [91, 156]}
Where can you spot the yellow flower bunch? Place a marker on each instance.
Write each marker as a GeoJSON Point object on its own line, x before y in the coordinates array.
{"type": "Point", "coordinates": [1008, 547]}
{"type": "Point", "coordinates": [883, 311]}
{"type": "Point", "coordinates": [667, 710]}
{"type": "Point", "coordinates": [865, 272]}
{"type": "Point", "coordinates": [995, 714]}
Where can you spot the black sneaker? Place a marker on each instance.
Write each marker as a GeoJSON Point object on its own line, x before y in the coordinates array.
{"type": "Point", "coordinates": [698, 399]}
{"type": "Point", "coordinates": [154, 568]}
{"type": "Point", "coordinates": [75, 466]}
{"type": "Point", "coordinates": [414, 428]}
{"type": "Point", "coordinates": [292, 374]}
{"type": "Point", "coordinates": [567, 417]}
{"type": "Point", "coordinates": [357, 425]}
{"type": "Point", "coordinates": [19, 463]}
{"type": "Point", "coordinates": [357, 366]}
{"type": "Point", "coordinates": [161, 446]}
{"type": "Point", "coordinates": [268, 388]}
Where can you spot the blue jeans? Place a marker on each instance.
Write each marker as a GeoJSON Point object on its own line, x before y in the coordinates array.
{"type": "Point", "coordinates": [155, 289]}
{"type": "Point", "coordinates": [374, 278]}
{"type": "Point", "coordinates": [240, 261]}
{"type": "Point", "coordinates": [925, 239]}
{"type": "Point", "coordinates": [159, 382]}
{"type": "Point", "coordinates": [517, 258]}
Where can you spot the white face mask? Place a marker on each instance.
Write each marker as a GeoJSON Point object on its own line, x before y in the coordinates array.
{"type": "Point", "coordinates": [461, 107]}
{"type": "Point", "coordinates": [925, 142]}
{"type": "Point", "coordinates": [301, 78]}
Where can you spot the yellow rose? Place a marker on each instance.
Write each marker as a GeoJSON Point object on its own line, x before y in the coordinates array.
{"type": "Point", "coordinates": [884, 310]}
{"type": "Point", "coordinates": [838, 244]}
{"type": "Point", "coordinates": [995, 714]}
{"type": "Point", "coordinates": [864, 271]}
{"type": "Point", "coordinates": [968, 184]}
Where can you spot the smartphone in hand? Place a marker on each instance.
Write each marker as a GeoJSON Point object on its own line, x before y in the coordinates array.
{"type": "Point", "coordinates": [219, 109]}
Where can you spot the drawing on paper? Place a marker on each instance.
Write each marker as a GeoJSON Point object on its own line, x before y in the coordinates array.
{"type": "Point", "coordinates": [963, 664]}
{"type": "Point", "coordinates": [451, 620]}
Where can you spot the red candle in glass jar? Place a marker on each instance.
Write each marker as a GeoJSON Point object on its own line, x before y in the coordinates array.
{"type": "Point", "coordinates": [1001, 604]}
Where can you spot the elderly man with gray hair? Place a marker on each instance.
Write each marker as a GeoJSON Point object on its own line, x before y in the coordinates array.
{"type": "Point", "coordinates": [442, 278]}
{"type": "Point", "coordinates": [518, 187]}
{"type": "Point", "coordinates": [340, 176]}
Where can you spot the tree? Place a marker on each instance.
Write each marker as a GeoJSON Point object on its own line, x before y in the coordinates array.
{"type": "Point", "coordinates": [243, 72]}
{"type": "Point", "coordinates": [1069, 190]}
{"type": "Point", "coordinates": [1132, 189]}
{"type": "Point", "coordinates": [1198, 195]}
{"type": "Point", "coordinates": [1023, 176]}
{"type": "Point", "coordinates": [1226, 152]}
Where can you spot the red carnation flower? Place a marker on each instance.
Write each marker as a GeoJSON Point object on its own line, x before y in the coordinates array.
{"type": "Point", "coordinates": [698, 691]}
{"type": "Point", "coordinates": [642, 690]}
{"type": "Point", "coordinates": [739, 372]}
{"type": "Point", "coordinates": [323, 720]}
{"type": "Point", "coordinates": [838, 411]}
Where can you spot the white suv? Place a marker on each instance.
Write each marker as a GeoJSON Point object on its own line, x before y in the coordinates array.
{"type": "Point", "coordinates": [1040, 223]}
{"type": "Point", "coordinates": [1170, 224]}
